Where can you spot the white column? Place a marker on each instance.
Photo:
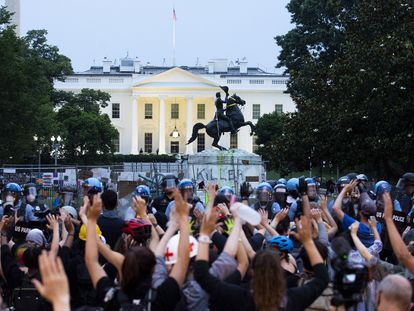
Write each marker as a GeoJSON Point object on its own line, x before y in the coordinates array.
{"type": "Point", "coordinates": [134, 126]}
{"type": "Point", "coordinates": [189, 148]}
{"type": "Point", "coordinates": [161, 142]}
{"type": "Point", "coordinates": [13, 6]}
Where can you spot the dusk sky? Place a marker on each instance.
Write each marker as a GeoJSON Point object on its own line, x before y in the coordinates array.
{"type": "Point", "coordinates": [88, 30]}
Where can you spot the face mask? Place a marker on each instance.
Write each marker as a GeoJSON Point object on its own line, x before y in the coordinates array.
{"type": "Point", "coordinates": [10, 199]}
{"type": "Point", "coordinates": [30, 198]}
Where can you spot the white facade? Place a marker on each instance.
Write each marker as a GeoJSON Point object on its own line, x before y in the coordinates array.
{"type": "Point", "coordinates": [148, 98]}
{"type": "Point", "coordinates": [13, 6]}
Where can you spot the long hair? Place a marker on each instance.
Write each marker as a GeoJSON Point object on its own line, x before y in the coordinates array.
{"type": "Point", "coordinates": [138, 266]}
{"type": "Point", "coordinates": [268, 284]}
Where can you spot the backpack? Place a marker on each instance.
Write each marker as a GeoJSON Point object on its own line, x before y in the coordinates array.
{"type": "Point", "coordinates": [26, 297]}
{"type": "Point", "coordinates": [117, 296]}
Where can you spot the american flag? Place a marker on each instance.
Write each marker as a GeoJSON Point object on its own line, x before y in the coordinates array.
{"type": "Point", "coordinates": [174, 16]}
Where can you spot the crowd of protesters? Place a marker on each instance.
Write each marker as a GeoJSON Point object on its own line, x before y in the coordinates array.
{"type": "Point", "coordinates": [294, 248]}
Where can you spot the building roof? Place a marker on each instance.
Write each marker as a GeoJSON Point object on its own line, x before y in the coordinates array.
{"type": "Point", "coordinates": [198, 70]}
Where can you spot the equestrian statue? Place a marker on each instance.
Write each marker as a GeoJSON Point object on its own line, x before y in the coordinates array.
{"type": "Point", "coordinates": [226, 120]}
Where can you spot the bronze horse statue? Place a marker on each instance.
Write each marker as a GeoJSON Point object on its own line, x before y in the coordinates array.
{"type": "Point", "coordinates": [216, 128]}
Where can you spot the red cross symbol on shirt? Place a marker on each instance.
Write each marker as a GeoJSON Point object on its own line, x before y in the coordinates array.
{"type": "Point", "coordinates": [168, 254]}
{"type": "Point", "coordinates": [191, 247]}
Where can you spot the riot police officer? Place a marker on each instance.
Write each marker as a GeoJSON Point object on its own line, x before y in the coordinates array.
{"type": "Point", "coordinates": [31, 208]}
{"type": "Point", "coordinates": [11, 199]}
{"type": "Point", "coordinates": [264, 196]}
{"type": "Point", "coordinates": [169, 183]}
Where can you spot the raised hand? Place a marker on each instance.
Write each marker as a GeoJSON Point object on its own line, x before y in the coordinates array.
{"type": "Point", "coordinates": [70, 228]}
{"type": "Point", "coordinates": [351, 186]}
{"type": "Point", "coordinates": [387, 206]}
{"type": "Point", "coordinates": [54, 286]}
{"type": "Point", "coordinates": [222, 207]}
{"type": "Point", "coordinates": [181, 207]}
{"type": "Point", "coordinates": [211, 190]}
{"type": "Point", "coordinates": [95, 210]}
{"type": "Point", "coordinates": [7, 223]}
{"type": "Point", "coordinates": [323, 199]}
{"type": "Point", "coordinates": [53, 223]}
{"type": "Point", "coordinates": [316, 214]}
{"type": "Point", "coordinates": [264, 214]}
{"type": "Point", "coordinates": [304, 229]}
{"type": "Point", "coordinates": [282, 214]}
{"type": "Point", "coordinates": [140, 206]}
{"type": "Point", "coordinates": [209, 222]}
{"type": "Point", "coordinates": [198, 215]}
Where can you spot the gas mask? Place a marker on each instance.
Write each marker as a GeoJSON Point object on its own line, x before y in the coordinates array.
{"type": "Point", "coordinates": [264, 197]}
{"type": "Point", "coordinates": [9, 199]}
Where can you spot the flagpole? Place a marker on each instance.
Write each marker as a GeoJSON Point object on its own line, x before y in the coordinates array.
{"type": "Point", "coordinates": [174, 21]}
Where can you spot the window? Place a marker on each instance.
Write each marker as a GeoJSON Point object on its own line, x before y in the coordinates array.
{"type": "Point", "coordinates": [115, 142]}
{"type": "Point", "coordinates": [201, 111]}
{"type": "Point", "coordinates": [116, 109]}
{"type": "Point", "coordinates": [279, 81]}
{"type": "Point", "coordinates": [256, 111]}
{"type": "Point", "coordinates": [72, 80]}
{"type": "Point", "coordinates": [148, 142]}
{"type": "Point", "coordinates": [175, 112]}
{"type": "Point", "coordinates": [234, 81]}
{"type": "Point", "coordinates": [255, 146]}
{"type": "Point", "coordinates": [201, 142]}
{"type": "Point", "coordinates": [114, 80]}
{"type": "Point", "coordinates": [175, 147]}
{"type": "Point", "coordinates": [93, 80]}
{"type": "Point", "coordinates": [256, 81]}
{"type": "Point", "coordinates": [148, 111]}
{"type": "Point", "coordinates": [279, 108]}
{"type": "Point", "coordinates": [233, 141]}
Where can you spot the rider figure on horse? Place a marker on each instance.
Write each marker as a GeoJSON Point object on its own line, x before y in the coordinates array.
{"type": "Point", "coordinates": [220, 108]}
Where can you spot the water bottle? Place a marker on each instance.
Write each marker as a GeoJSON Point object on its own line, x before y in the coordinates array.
{"type": "Point", "coordinates": [247, 213]}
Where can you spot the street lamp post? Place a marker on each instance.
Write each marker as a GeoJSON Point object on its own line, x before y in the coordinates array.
{"type": "Point", "coordinates": [39, 150]}
{"type": "Point", "coordinates": [56, 144]}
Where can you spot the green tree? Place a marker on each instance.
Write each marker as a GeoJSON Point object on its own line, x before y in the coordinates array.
{"type": "Point", "coordinates": [88, 133]}
{"type": "Point", "coordinates": [351, 67]}
{"type": "Point", "coordinates": [279, 144]}
{"type": "Point", "coordinates": [28, 67]}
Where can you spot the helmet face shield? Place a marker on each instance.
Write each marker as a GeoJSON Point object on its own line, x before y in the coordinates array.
{"type": "Point", "coordinates": [9, 196]}
{"type": "Point", "coordinates": [401, 184]}
{"type": "Point", "coordinates": [32, 191]}
{"type": "Point", "coordinates": [187, 194]}
{"type": "Point", "coordinates": [280, 197]}
{"type": "Point", "coordinates": [170, 184]}
{"type": "Point", "coordinates": [264, 196]}
{"type": "Point", "coordinates": [85, 189]}
{"type": "Point", "coordinates": [312, 191]}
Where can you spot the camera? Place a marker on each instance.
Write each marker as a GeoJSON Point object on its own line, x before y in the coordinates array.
{"type": "Point", "coordinates": [44, 213]}
{"type": "Point", "coordinates": [351, 279]}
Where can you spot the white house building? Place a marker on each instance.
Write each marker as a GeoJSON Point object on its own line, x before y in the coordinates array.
{"type": "Point", "coordinates": [149, 102]}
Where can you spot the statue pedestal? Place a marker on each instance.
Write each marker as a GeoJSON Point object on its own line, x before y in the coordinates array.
{"type": "Point", "coordinates": [227, 168]}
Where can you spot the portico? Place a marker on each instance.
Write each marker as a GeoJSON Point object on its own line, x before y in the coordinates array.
{"type": "Point", "coordinates": [175, 99]}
